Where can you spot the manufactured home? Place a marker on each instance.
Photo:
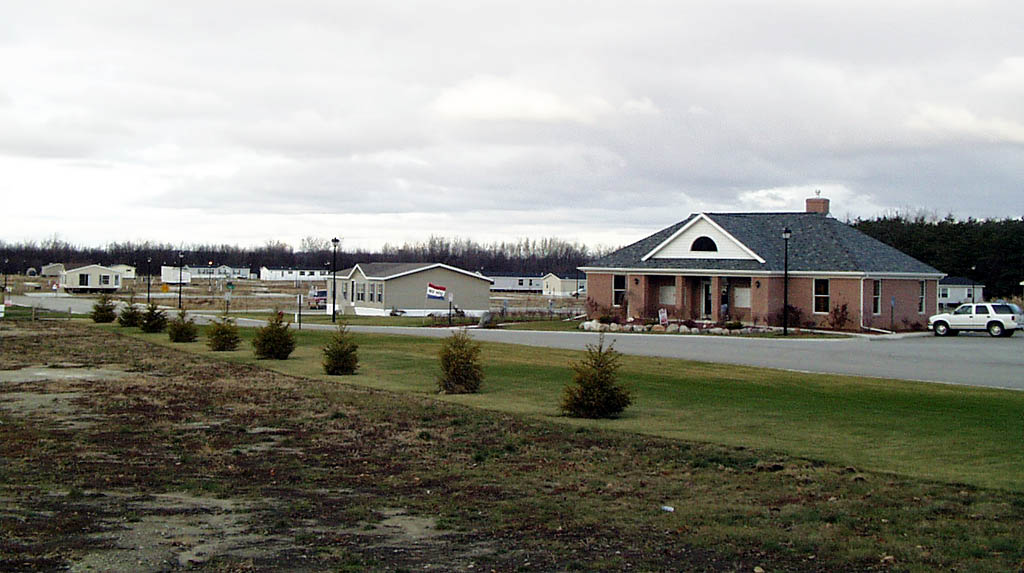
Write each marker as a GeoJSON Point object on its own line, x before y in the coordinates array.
{"type": "Point", "coordinates": [414, 289]}
{"type": "Point", "coordinates": [90, 278]}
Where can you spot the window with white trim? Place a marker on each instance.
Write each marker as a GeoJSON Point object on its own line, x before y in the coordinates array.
{"type": "Point", "coordinates": [104, 280]}
{"type": "Point", "coordinates": [876, 298]}
{"type": "Point", "coordinates": [944, 292]}
{"type": "Point", "coordinates": [618, 289]}
{"type": "Point", "coordinates": [83, 279]}
{"type": "Point", "coordinates": [821, 296]}
{"type": "Point", "coordinates": [920, 297]}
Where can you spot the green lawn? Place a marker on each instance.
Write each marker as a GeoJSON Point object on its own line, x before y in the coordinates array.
{"type": "Point", "coordinates": [947, 433]}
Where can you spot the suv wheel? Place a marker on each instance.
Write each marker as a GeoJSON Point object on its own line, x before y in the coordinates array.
{"type": "Point", "coordinates": [941, 329]}
{"type": "Point", "coordinates": [995, 329]}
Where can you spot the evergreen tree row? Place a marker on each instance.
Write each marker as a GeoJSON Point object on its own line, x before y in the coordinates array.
{"type": "Point", "coordinates": [988, 251]}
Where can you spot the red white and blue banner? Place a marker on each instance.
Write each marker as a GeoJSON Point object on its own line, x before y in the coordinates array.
{"type": "Point", "coordinates": [436, 292]}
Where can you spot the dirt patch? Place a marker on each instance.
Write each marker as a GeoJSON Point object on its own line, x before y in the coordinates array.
{"type": "Point", "coordinates": [401, 529]}
{"type": "Point", "coordinates": [167, 531]}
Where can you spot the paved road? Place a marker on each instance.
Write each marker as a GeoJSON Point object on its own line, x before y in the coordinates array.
{"type": "Point", "coordinates": [969, 359]}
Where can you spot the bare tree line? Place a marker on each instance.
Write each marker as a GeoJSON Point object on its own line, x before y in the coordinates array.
{"type": "Point", "coordinates": [524, 256]}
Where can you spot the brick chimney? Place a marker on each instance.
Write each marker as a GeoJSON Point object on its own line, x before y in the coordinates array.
{"type": "Point", "coordinates": [817, 204]}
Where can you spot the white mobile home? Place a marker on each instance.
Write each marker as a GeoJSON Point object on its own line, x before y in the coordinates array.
{"type": "Point", "coordinates": [516, 282]}
{"type": "Point", "coordinates": [127, 271]}
{"type": "Point", "coordinates": [90, 278]}
{"type": "Point", "coordinates": [173, 275]}
{"type": "Point", "coordinates": [294, 275]}
{"type": "Point", "coordinates": [218, 273]}
{"type": "Point", "coordinates": [563, 285]}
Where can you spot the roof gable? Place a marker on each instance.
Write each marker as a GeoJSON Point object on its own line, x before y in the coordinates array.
{"type": "Point", "coordinates": [680, 245]}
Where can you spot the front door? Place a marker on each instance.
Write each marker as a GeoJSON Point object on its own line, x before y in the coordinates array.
{"type": "Point", "coordinates": [707, 300]}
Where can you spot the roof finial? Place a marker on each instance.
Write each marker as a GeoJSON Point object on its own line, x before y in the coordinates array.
{"type": "Point", "coordinates": [817, 192]}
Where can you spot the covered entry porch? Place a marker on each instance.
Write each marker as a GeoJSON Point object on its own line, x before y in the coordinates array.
{"type": "Point", "coordinates": [688, 297]}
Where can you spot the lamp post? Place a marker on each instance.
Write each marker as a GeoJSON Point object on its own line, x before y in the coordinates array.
{"type": "Point", "coordinates": [334, 279]}
{"type": "Point", "coordinates": [5, 276]}
{"type": "Point", "coordinates": [786, 234]}
{"type": "Point", "coordinates": [181, 259]}
{"type": "Point", "coordinates": [974, 285]}
{"type": "Point", "coordinates": [149, 278]}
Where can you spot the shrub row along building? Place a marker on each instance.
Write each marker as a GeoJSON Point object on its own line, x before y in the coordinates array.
{"type": "Point", "coordinates": [719, 266]}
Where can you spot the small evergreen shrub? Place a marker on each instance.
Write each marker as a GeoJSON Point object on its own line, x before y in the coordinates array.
{"type": "Point", "coordinates": [461, 372]}
{"type": "Point", "coordinates": [274, 340]}
{"type": "Point", "coordinates": [153, 320]}
{"type": "Point", "coordinates": [103, 310]}
{"type": "Point", "coordinates": [340, 353]}
{"type": "Point", "coordinates": [182, 328]}
{"type": "Point", "coordinates": [130, 316]}
{"type": "Point", "coordinates": [595, 392]}
{"type": "Point", "coordinates": [223, 335]}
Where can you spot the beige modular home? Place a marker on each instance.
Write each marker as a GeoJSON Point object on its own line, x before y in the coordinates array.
{"type": "Point", "coordinates": [52, 270]}
{"type": "Point", "coordinates": [414, 289]}
{"type": "Point", "coordinates": [91, 278]}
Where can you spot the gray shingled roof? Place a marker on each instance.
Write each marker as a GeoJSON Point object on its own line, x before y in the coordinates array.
{"type": "Point", "coordinates": [818, 243]}
{"type": "Point", "coordinates": [960, 281]}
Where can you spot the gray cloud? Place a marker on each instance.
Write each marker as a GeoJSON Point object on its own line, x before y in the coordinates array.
{"type": "Point", "coordinates": [592, 121]}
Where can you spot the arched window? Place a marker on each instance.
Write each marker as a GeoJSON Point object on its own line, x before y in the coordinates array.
{"type": "Point", "coordinates": [704, 244]}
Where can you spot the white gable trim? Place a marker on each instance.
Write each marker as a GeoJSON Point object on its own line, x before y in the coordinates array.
{"type": "Point", "coordinates": [703, 217]}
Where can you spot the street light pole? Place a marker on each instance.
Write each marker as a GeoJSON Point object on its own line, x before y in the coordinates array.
{"type": "Point", "coordinates": [334, 279]}
{"type": "Point", "coordinates": [5, 275]}
{"type": "Point", "coordinates": [786, 234]}
{"type": "Point", "coordinates": [149, 278]}
{"type": "Point", "coordinates": [974, 282]}
{"type": "Point", "coordinates": [181, 258]}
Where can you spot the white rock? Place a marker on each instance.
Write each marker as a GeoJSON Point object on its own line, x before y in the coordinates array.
{"type": "Point", "coordinates": [672, 328]}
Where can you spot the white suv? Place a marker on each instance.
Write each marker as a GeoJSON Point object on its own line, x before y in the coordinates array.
{"type": "Point", "coordinates": [999, 319]}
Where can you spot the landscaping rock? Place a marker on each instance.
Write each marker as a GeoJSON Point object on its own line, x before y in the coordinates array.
{"type": "Point", "coordinates": [672, 328]}
{"type": "Point", "coordinates": [718, 330]}
{"type": "Point", "coordinates": [614, 327]}
{"type": "Point", "coordinates": [657, 328]}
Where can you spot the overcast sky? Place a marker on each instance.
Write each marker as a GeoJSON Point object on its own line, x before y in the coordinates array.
{"type": "Point", "coordinates": [600, 122]}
